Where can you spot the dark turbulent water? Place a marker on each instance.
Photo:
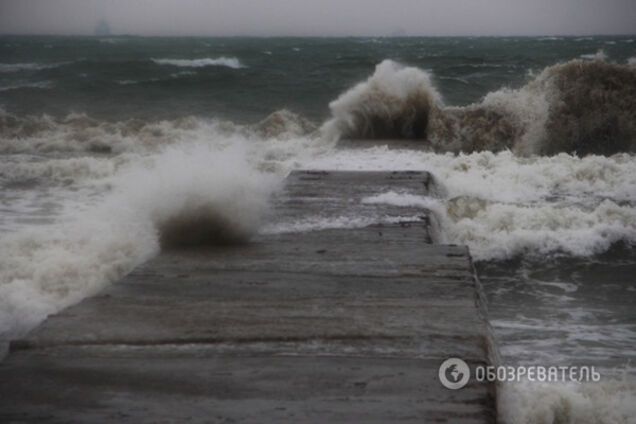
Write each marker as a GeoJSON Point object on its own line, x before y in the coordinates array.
{"type": "Point", "coordinates": [115, 78]}
{"type": "Point", "coordinates": [106, 142]}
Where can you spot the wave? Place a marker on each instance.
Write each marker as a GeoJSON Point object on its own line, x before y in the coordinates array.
{"type": "Point", "coordinates": [284, 124]}
{"type": "Point", "coordinates": [42, 85]}
{"type": "Point", "coordinates": [81, 133]}
{"type": "Point", "coordinates": [194, 193]}
{"type": "Point", "coordinates": [17, 67]}
{"type": "Point", "coordinates": [17, 169]}
{"type": "Point", "coordinates": [582, 107]}
{"type": "Point", "coordinates": [395, 102]}
{"type": "Point", "coordinates": [229, 62]}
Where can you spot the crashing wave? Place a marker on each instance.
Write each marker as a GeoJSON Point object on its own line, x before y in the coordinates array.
{"type": "Point", "coordinates": [81, 133]}
{"type": "Point", "coordinates": [581, 107]}
{"type": "Point", "coordinates": [395, 102]}
{"type": "Point", "coordinates": [228, 62]}
{"type": "Point", "coordinates": [183, 195]}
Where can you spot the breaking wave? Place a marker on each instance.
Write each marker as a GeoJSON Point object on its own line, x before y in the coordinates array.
{"type": "Point", "coordinates": [182, 195]}
{"type": "Point", "coordinates": [228, 62]}
{"type": "Point", "coordinates": [80, 133]}
{"type": "Point", "coordinates": [395, 102]}
{"type": "Point", "coordinates": [583, 107]}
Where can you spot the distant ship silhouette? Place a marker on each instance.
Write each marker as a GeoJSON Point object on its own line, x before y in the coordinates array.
{"type": "Point", "coordinates": [102, 29]}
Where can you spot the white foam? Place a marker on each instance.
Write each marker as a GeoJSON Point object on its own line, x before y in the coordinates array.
{"type": "Point", "coordinates": [502, 205]}
{"type": "Point", "coordinates": [229, 62]}
{"type": "Point", "coordinates": [399, 199]}
{"type": "Point", "coordinates": [317, 223]}
{"type": "Point", "coordinates": [605, 402]}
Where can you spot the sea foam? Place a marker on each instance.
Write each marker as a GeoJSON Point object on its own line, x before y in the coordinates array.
{"type": "Point", "coordinates": [502, 205]}
{"type": "Point", "coordinates": [605, 402]}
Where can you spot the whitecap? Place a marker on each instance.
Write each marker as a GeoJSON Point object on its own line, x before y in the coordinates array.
{"type": "Point", "coordinates": [229, 62]}
{"type": "Point", "coordinates": [43, 85]}
{"type": "Point", "coordinates": [17, 67]}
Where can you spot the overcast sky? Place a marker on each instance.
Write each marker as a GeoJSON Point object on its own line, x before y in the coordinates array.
{"type": "Point", "coordinates": [320, 17]}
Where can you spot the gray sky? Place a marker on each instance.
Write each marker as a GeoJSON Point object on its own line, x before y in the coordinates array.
{"type": "Point", "coordinates": [320, 17]}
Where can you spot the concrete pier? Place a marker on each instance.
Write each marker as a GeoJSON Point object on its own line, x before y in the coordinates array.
{"type": "Point", "coordinates": [338, 325]}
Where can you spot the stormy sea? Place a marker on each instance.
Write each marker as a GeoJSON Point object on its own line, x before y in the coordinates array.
{"type": "Point", "coordinates": [107, 144]}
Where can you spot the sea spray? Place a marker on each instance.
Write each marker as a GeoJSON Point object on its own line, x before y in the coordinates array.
{"type": "Point", "coordinates": [395, 102]}
{"type": "Point", "coordinates": [581, 107]}
{"type": "Point", "coordinates": [193, 188]}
